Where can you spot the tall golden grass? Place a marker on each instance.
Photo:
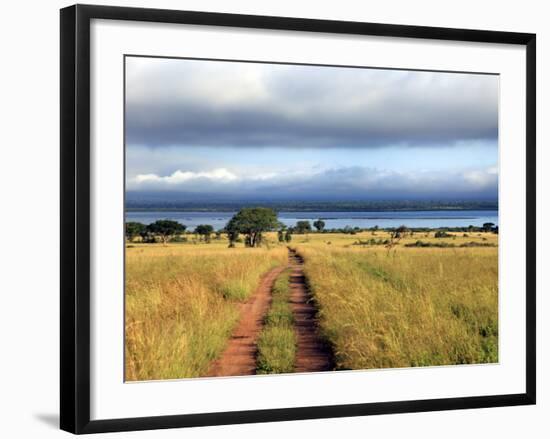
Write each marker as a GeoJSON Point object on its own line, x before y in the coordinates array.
{"type": "Point", "coordinates": [407, 307]}
{"type": "Point", "coordinates": [378, 308]}
{"type": "Point", "coordinates": [181, 305]}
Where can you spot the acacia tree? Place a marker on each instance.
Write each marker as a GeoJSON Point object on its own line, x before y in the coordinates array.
{"type": "Point", "coordinates": [487, 227]}
{"type": "Point", "coordinates": [252, 222]}
{"type": "Point", "coordinates": [395, 237]}
{"type": "Point", "coordinates": [133, 229]}
{"type": "Point", "coordinates": [204, 230]}
{"type": "Point", "coordinates": [147, 236]}
{"type": "Point", "coordinates": [303, 227]}
{"type": "Point", "coordinates": [166, 229]}
{"type": "Point", "coordinates": [319, 225]}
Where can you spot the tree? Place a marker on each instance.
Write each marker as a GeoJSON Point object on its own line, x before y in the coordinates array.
{"type": "Point", "coordinates": [133, 229]}
{"type": "Point", "coordinates": [349, 230]}
{"type": "Point", "coordinates": [395, 237]}
{"type": "Point", "coordinates": [281, 232]}
{"type": "Point", "coordinates": [303, 227]}
{"type": "Point", "coordinates": [166, 229]}
{"type": "Point", "coordinates": [147, 236]}
{"type": "Point", "coordinates": [204, 230]}
{"type": "Point", "coordinates": [252, 222]}
{"type": "Point", "coordinates": [487, 227]}
{"type": "Point", "coordinates": [288, 235]}
{"type": "Point", "coordinates": [232, 235]}
{"type": "Point", "coordinates": [319, 225]}
{"type": "Point", "coordinates": [400, 232]}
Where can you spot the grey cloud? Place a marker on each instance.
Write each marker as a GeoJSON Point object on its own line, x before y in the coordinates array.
{"type": "Point", "coordinates": [184, 102]}
{"type": "Point", "coordinates": [331, 184]}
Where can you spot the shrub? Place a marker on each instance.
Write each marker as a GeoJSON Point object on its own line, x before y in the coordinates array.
{"type": "Point", "coordinates": [449, 244]}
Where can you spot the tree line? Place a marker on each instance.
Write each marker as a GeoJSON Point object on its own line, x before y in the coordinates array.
{"type": "Point", "coordinates": [253, 222]}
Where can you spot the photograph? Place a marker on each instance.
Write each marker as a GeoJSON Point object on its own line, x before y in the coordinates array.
{"type": "Point", "coordinates": [297, 218]}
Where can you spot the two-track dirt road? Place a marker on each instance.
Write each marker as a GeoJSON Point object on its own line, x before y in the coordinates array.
{"type": "Point", "coordinates": [239, 357]}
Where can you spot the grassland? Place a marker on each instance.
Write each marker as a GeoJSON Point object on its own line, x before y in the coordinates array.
{"type": "Point", "coordinates": [182, 304]}
{"type": "Point", "coordinates": [378, 307]}
{"type": "Point", "coordinates": [277, 341]}
{"type": "Point", "coordinates": [408, 306]}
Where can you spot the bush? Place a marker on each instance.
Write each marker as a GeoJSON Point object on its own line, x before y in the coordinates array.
{"type": "Point", "coordinates": [371, 241]}
{"type": "Point", "coordinates": [449, 244]}
{"type": "Point", "coordinates": [477, 244]}
{"type": "Point", "coordinates": [430, 244]}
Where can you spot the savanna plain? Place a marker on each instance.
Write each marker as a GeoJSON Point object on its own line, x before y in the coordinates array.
{"type": "Point", "coordinates": [421, 300]}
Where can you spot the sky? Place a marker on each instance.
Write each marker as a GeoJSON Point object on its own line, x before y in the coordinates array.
{"type": "Point", "coordinates": [199, 130]}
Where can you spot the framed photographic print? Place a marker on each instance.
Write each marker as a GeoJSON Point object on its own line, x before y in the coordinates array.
{"type": "Point", "coordinates": [268, 218]}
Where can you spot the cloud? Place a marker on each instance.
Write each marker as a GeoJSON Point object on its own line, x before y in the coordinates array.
{"type": "Point", "coordinates": [178, 177]}
{"type": "Point", "coordinates": [206, 103]}
{"type": "Point", "coordinates": [181, 178]}
{"type": "Point", "coordinates": [484, 177]}
{"type": "Point", "coordinates": [343, 183]}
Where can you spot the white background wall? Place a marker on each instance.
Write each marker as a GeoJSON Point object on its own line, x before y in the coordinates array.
{"type": "Point", "coordinates": [29, 249]}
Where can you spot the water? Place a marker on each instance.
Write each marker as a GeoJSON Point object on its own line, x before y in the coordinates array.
{"type": "Point", "coordinates": [334, 220]}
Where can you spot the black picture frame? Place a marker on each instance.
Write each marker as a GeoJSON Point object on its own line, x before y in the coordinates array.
{"type": "Point", "coordinates": [75, 217]}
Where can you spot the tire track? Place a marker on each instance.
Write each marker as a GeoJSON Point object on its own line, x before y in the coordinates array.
{"type": "Point", "coordinates": [313, 354]}
{"type": "Point", "coordinates": [239, 357]}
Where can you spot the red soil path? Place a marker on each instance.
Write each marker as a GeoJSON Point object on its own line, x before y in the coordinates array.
{"type": "Point", "coordinates": [313, 354]}
{"type": "Point", "coordinates": [239, 358]}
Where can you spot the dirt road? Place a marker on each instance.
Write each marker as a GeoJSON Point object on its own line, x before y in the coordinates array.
{"type": "Point", "coordinates": [313, 354]}
{"type": "Point", "coordinates": [239, 358]}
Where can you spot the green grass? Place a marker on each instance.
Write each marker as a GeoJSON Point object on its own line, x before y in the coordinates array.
{"type": "Point", "coordinates": [277, 341]}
